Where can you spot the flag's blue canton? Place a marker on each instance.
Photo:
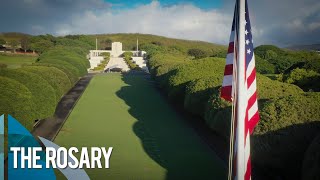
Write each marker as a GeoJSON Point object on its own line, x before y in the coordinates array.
{"type": "Point", "coordinates": [248, 41]}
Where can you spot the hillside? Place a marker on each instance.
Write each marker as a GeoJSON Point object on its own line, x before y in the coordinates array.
{"type": "Point", "coordinates": [130, 40]}
{"type": "Point", "coordinates": [314, 47]}
{"type": "Point", "coordinates": [8, 36]}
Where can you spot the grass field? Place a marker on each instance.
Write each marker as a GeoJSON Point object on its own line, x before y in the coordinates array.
{"type": "Point", "coordinates": [149, 139]}
{"type": "Point", "coordinates": [16, 61]}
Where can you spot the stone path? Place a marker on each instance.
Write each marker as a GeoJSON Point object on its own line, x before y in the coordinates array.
{"type": "Point", "coordinates": [50, 127]}
{"type": "Point", "coordinates": [117, 62]}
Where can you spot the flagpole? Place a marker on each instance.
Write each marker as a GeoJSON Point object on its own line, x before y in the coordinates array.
{"type": "Point", "coordinates": [241, 96]}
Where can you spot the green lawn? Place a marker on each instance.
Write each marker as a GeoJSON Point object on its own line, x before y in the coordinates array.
{"type": "Point", "coordinates": [149, 139]}
{"type": "Point", "coordinates": [16, 61]}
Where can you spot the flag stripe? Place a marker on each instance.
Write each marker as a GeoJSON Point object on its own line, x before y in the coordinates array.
{"type": "Point", "coordinates": [226, 93]}
{"type": "Point", "coordinates": [251, 114]}
{"type": "Point", "coordinates": [230, 59]}
{"type": "Point", "coordinates": [231, 47]}
{"type": "Point", "coordinates": [228, 69]}
{"type": "Point", "coordinates": [227, 80]}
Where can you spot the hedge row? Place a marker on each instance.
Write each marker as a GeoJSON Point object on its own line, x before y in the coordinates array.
{"type": "Point", "coordinates": [42, 93]}
{"type": "Point", "coordinates": [33, 91]}
{"type": "Point", "coordinates": [55, 77]}
{"type": "Point", "coordinates": [287, 127]}
{"type": "Point", "coordinates": [311, 161]}
{"type": "Point", "coordinates": [17, 100]}
{"type": "Point", "coordinates": [128, 59]}
{"type": "Point", "coordinates": [196, 84]}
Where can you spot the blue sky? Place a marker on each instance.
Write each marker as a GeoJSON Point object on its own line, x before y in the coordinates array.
{"type": "Point", "coordinates": [203, 4]}
{"type": "Point", "coordinates": [273, 21]}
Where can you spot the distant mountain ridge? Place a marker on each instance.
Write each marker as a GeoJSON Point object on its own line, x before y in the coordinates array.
{"type": "Point", "coordinates": [311, 47]}
{"type": "Point", "coordinates": [13, 36]}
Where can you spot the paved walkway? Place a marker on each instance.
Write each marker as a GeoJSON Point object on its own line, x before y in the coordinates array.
{"type": "Point", "coordinates": [48, 128]}
{"type": "Point", "coordinates": [117, 62]}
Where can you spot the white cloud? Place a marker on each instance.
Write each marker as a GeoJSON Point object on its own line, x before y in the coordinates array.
{"type": "Point", "coordinates": [283, 23]}
{"type": "Point", "coordinates": [179, 21]}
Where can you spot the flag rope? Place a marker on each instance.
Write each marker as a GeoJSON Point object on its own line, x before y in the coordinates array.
{"type": "Point", "coordinates": [233, 99]}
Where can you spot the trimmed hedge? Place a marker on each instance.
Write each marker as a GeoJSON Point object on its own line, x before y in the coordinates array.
{"type": "Point", "coordinates": [162, 66]}
{"type": "Point", "coordinates": [55, 77]}
{"type": "Point", "coordinates": [68, 55]}
{"type": "Point", "coordinates": [287, 127]}
{"type": "Point", "coordinates": [198, 93]}
{"type": "Point", "coordinates": [17, 100]}
{"type": "Point", "coordinates": [43, 94]}
{"type": "Point", "coordinates": [268, 88]}
{"type": "Point", "coordinates": [193, 70]}
{"type": "Point", "coordinates": [311, 162]}
{"type": "Point", "coordinates": [43, 83]}
{"type": "Point", "coordinates": [63, 63]}
{"type": "Point", "coordinates": [286, 111]}
{"type": "Point", "coordinates": [218, 111]}
{"type": "Point", "coordinates": [289, 117]}
{"type": "Point", "coordinates": [65, 68]}
{"type": "Point", "coordinates": [127, 58]}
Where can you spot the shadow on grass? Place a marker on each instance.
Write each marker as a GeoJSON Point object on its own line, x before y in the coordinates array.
{"type": "Point", "coordinates": [165, 137]}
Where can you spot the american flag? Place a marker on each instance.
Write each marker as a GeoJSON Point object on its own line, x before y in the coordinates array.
{"type": "Point", "coordinates": [239, 87]}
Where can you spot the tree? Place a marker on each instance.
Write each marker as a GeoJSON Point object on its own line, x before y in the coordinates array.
{"type": "Point", "coordinates": [270, 54]}
{"type": "Point", "coordinates": [25, 44]}
{"type": "Point", "coordinates": [41, 46]}
{"type": "Point", "coordinates": [2, 42]}
{"type": "Point", "coordinates": [197, 53]}
{"type": "Point", "coordinates": [305, 79]}
{"type": "Point", "coordinates": [14, 45]}
{"type": "Point", "coordinates": [106, 44]}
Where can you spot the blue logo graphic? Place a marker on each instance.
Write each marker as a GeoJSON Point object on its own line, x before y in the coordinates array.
{"type": "Point", "coordinates": [18, 136]}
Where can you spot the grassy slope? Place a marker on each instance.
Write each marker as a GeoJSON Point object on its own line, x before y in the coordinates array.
{"type": "Point", "coordinates": [150, 140]}
{"type": "Point", "coordinates": [16, 61]}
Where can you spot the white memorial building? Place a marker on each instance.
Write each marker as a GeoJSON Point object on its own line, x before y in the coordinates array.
{"type": "Point", "coordinates": [116, 51]}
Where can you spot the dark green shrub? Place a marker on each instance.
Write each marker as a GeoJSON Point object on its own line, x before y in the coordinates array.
{"type": "Point", "coordinates": [102, 65]}
{"type": "Point", "coordinates": [286, 111]}
{"type": "Point", "coordinates": [43, 94]}
{"type": "Point", "coordinates": [308, 80]}
{"type": "Point", "coordinates": [268, 88]}
{"type": "Point", "coordinates": [128, 59]}
{"type": "Point", "coordinates": [218, 111]}
{"type": "Point", "coordinates": [16, 100]}
{"type": "Point", "coordinates": [106, 55]}
{"type": "Point", "coordinates": [263, 51]}
{"type": "Point", "coordinates": [197, 53]}
{"type": "Point", "coordinates": [198, 93]}
{"type": "Point", "coordinates": [313, 64]}
{"type": "Point", "coordinates": [286, 128]}
{"type": "Point", "coordinates": [263, 66]}
{"type": "Point", "coordinates": [311, 162]}
{"type": "Point", "coordinates": [281, 152]}
{"type": "Point", "coordinates": [3, 65]}
{"type": "Point", "coordinates": [55, 77]}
